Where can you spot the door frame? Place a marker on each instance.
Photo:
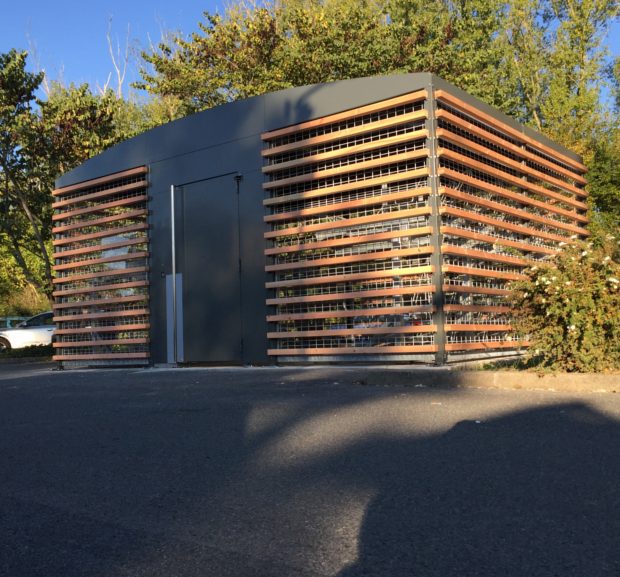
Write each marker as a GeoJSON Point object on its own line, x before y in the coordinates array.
{"type": "Point", "coordinates": [176, 282]}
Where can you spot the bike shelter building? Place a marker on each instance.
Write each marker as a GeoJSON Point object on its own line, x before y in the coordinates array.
{"type": "Point", "coordinates": [369, 220]}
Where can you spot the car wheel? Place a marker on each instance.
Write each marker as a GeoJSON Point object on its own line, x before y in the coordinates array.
{"type": "Point", "coordinates": [4, 345]}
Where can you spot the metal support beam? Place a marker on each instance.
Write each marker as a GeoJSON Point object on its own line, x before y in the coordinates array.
{"type": "Point", "coordinates": [174, 274]}
{"type": "Point", "coordinates": [435, 203]}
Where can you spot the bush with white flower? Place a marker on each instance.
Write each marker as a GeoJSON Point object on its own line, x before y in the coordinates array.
{"type": "Point", "coordinates": [569, 308]}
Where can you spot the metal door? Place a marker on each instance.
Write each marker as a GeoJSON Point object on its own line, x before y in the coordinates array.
{"type": "Point", "coordinates": [207, 247]}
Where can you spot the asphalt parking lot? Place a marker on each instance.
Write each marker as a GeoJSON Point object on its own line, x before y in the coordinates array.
{"type": "Point", "coordinates": [303, 473]}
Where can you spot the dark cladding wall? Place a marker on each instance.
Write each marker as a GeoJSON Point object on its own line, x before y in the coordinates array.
{"type": "Point", "coordinates": [232, 223]}
{"type": "Point", "coordinates": [216, 144]}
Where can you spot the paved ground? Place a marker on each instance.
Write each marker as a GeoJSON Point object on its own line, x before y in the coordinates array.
{"type": "Point", "coordinates": [299, 472]}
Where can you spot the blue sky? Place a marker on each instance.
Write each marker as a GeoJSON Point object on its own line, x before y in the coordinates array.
{"type": "Point", "coordinates": [67, 38]}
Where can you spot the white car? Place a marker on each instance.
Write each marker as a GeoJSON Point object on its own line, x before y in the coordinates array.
{"type": "Point", "coordinates": [37, 330]}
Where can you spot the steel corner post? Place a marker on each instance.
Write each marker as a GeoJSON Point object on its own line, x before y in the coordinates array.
{"type": "Point", "coordinates": [436, 257]}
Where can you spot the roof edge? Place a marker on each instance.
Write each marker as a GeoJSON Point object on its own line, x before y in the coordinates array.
{"type": "Point", "coordinates": [439, 83]}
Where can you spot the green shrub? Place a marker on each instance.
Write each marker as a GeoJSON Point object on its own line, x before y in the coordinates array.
{"type": "Point", "coordinates": [28, 352]}
{"type": "Point", "coordinates": [569, 308]}
{"type": "Point", "coordinates": [25, 301]}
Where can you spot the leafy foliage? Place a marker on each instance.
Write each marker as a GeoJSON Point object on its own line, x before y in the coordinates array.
{"type": "Point", "coordinates": [71, 125]}
{"type": "Point", "coordinates": [20, 229]}
{"type": "Point", "coordinates": [32, 351]}
{"type": "Point", "coordinates": [252, 50]}
{"type": "Point", "coordinates": [541, 62]}
{"type": "Point", "coordinates": [604, 181]}
{"type": "Point", "coordinates": [39, 140]}
{"type": "Point", "coordinates": [570, 308]}
{"type": "Point", "coordinates": [17, 296]}
{"type": "Point", "coordinates": [571, 112]}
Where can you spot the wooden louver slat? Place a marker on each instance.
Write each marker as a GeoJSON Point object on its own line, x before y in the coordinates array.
{"type": "Point", "coordinates": [445, 96]}
{"type": "Point", "coordinates": [106, 316]}
{"type": "Point", "coordinates": [89, 184]}
{"type": "Point", "coordinates": [354, 253]}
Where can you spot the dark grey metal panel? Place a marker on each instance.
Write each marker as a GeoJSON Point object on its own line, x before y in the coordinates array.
{"type": "Point", "coordinates": [243, 119]}
{"type": "Point", "coordinates": [174, 315]}
{"type": "Point", "coordinates": [297, 105]}
{"type": "Point", "coordinates": [240, 157]}
{"type": "Point", "coordinates": [253, 291]}
{"type": "Point", "coordinates": [209, 260]}
{"type": "Point", "coordinates": [436, 237]}
{"type": "Point", "coordinates": [248, 118]}
{"type": "Point", "coordinates": [202, 132]}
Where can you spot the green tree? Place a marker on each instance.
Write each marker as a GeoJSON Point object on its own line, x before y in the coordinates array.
{"type": "Point", "coordinates": [571, 110]}
{"type": "Point", "coordinates": [526, 49]}
{"type": "Point", "coordinates": [39, 140]}
{"type": "Point", "coordinates": [604, 173]}
{"type": "Point", "coordinates": [249, 51]}
{"type": "Point", "coordinates": [462, 42]}
{"type": "Point", "coordinates": [71, 125]}
{"type": "Point", "coordinates": [541, 61]}
{"type": "Point", "coordinates": [17, 296]}
{"type": "Point", "coordinates": [604, 181]}
{"type": "Point", "coordinates": [615, 72]}
{"type": "Point", "coordinates": [230, 58]}
{"type": "Point", "coordinates": [323, 42]}
{"type": "Point", "coordinates": [21, 228]}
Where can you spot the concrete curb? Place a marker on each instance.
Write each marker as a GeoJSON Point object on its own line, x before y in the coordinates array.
{"type": "Point", "coordinates": [25, 361]}
{"type": "Point", "coordinates": [407, 376]}
{"type": "Point", "coordinates": [437, 377]}
{"type": "Point", "coordinates": [515, 380]}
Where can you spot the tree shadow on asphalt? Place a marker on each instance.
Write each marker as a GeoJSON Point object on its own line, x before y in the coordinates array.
{"type": "Point", "coordinates": [532, 493]}
{"type": "Point", "coordinates": [148, 477]}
